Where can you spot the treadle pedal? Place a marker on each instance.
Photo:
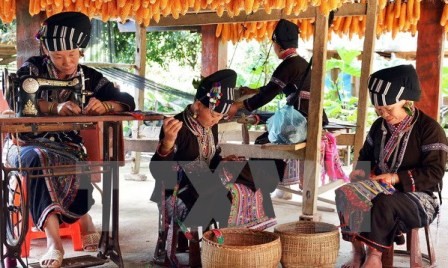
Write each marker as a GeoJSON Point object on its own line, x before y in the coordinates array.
{"type": "Point", "coordinates": [78, 262]}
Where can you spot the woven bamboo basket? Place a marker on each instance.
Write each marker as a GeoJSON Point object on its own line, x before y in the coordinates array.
{"type": "Point", "coordinates": [241, 248]}
{"type": "Point", "coordinates": [308, 244]}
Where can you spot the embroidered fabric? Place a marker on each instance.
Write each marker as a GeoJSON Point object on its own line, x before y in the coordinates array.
{"type": "Point", "coordinates": [392, 152]}
{"type": "Point", "coordinates": [204, 136]}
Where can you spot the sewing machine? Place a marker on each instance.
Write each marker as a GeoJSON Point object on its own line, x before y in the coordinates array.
{"type": "Point", "coordinates": [22, 92]}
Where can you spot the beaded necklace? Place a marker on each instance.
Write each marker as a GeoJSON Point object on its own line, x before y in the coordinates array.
{"type": "Point", "coordinates": [204, 136]}
{"type": "Point", "coordinates": [58, 95]}
{"type": "Point", "coordinates": [396, 145]}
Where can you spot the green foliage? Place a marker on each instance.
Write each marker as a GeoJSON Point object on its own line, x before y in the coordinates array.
{"type": "Point", "coordinates": [445, 80]}
{"type": "Point", "coordinates": [8, 33]}
{"type": "Point", "coordinates": [345, 63]}
{"type": "Point", "coordinates": [336, 104]}
{"type": "Point", "coordinates": [183, 47]}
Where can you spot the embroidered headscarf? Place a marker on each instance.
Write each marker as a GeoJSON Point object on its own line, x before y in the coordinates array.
{"type": "Point", "coordinates": [390, 85]}
{"type": "Point", "coordinates": [216, 91]}
{"type": "Point", "coordinates": [65, 31]}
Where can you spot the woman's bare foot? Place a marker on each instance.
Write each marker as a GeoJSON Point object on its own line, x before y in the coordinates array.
{"type": "Point", "coordinates": [359, 255]}
{"type": "Point", "coordinates": [373, 259]}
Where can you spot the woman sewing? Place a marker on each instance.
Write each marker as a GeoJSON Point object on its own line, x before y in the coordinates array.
{"type": "Point", "coordinates": [187, 157]}
{"type": "Point", "coordinates": [54, 200]}
{"type": "Point", "coordinates": [400, 166]}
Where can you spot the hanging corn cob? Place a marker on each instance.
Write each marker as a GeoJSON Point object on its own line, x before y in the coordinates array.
{"type": "Point", "coordinates": [394, 15]}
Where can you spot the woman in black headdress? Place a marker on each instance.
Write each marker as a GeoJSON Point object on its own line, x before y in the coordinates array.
{"type": "Point", "coordinates": [286, 76]}
{"type": "Point", "coordinates": [66, 199]}
{"type": "Point", "coordinates": [292, 77]}
{"type": "Point", "coordinates": [400, 166]}
{"type": "Point", "coordinates": [188, 154]}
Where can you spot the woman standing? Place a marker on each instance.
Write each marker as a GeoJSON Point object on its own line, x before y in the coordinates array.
{"type": "Point", "coordinates": [293, 72]}
{"type": "Point", "coordinates": [400, 166]}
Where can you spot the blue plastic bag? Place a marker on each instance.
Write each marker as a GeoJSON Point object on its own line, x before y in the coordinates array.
{"type": "Point", "coordinates": [287, 126]}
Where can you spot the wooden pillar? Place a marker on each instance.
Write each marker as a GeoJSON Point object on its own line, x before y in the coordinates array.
{"type": "Point", "coordinates": [367, 59]}
{"type": "Point", "coordinates": [429, 58]}
{"type": "Point", "coordinates": [140, 65]}
{"type": "Point", "coordinates": [312, 153]}
{"type": "Point", "coordinates": [214, 52]}
{"type": "Point", "coordinates": [27, 27]}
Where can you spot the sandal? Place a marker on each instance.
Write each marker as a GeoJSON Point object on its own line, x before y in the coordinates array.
{"type": "Point", "coordinates": [90, 242]}
{"type": "Point", "coordinates": [52, 259]}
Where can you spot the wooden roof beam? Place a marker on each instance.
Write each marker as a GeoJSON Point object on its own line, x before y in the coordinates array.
{"type": "Point", "coordinates": [210, 17]}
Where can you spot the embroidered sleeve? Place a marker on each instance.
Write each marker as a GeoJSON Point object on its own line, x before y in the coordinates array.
{"type": "Point", "coordinates": [434, 147]}
{"type": "Point", "coordinates": [369, 140]}
{"type": "Point", "coordinates": [278, 82]}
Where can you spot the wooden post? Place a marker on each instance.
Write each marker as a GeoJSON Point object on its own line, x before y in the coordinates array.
{"type": "Point", "coordinates": [140, 65]}
{"type": "Point", "coordinates": [429, 56]}
{"type": "Point", "coordinates": [367, 59]}
{"type": "Point", "coordinates": [214, 52]}
{"type": "Point", "coordinates": [27, 27]}
{"type": "Point", "coordinates": [313, 143]}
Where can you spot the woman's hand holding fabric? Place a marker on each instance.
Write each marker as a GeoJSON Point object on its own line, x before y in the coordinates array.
{"type": "Point", "coordinates": [68, 108]}
{"type": "Point", "coordinates": [171, 127]}
{"type": "Point", "coordinates": [389, 178]}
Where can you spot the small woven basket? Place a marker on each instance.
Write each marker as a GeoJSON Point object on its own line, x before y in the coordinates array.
{"type": "Point", "coordinates": [308, 244]}
{"type": "Point", "coordinates": [241, 248]}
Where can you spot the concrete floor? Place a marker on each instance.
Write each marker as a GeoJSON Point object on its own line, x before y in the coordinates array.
{"type": "Point", "coordinates": [138, 225]}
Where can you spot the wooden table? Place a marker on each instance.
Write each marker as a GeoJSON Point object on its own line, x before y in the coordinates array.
{"type": "Point", "coordinates": [109, 246]}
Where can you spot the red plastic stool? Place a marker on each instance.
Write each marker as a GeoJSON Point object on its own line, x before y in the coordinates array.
{"type": "Point", "coordinates": [73, 230]}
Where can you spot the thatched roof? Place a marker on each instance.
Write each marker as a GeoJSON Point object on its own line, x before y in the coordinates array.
{"type": "Point", "coordinates": [253, 19]}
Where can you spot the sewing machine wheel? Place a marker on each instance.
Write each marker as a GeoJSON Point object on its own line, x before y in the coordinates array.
{"type": "Point", "coordinates": [16, 216]}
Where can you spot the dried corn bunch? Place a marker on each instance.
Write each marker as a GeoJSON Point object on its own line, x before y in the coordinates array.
{"type": "Point", "coordinates": [7, 10]}
{"type": "Point", "coordinates": [353, 25]}
{"type": "Point", "coordinates": [399, 16]}
{"type": "Point", "coordinates": [236, 32]}
{"type": "Point", "coordinates": [393, 17]}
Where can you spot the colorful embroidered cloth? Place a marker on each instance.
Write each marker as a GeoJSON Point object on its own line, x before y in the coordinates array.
{"type": "Point", "coordinates": [354, 200]}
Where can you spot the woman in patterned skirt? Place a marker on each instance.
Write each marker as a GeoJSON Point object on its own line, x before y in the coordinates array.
{"type": "Point", "coordinates": [194, 183]}
{"type": "Point", "coordinates": [54, 200]}
{"type": "Point", "coordinates": [399, 168]}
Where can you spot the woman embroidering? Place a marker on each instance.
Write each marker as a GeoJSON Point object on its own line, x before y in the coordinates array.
{"type": "Point", "coordinates": [184, 166]}
{"type": "Point", "coordinates": [400, 166]}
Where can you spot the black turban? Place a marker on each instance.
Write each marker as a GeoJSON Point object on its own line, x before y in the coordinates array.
{"type": "Point", "coordinates": [390, 85]}
{"type": "Point", "coordinates": [65, 31]}
{"type": "Point", "coordinates": [216, 91]}
{"type": "Point", "coordinates": [286, 34]}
